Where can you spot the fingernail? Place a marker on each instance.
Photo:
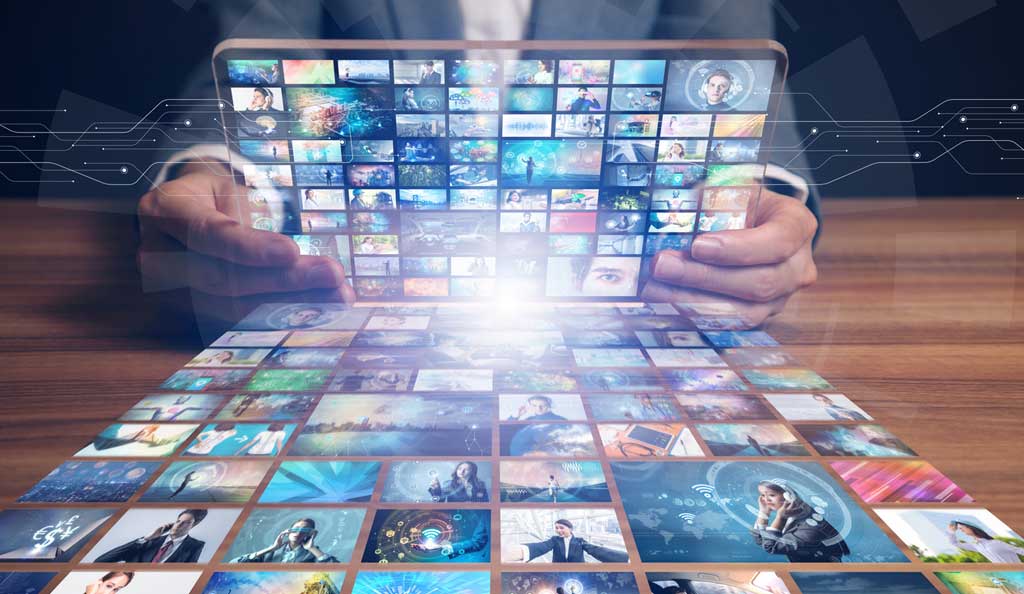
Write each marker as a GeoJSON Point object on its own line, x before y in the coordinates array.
{"type": "Point", "coordinates": [706, 247]}
{"type": "Point", "coordinates": [668, 267]}
{"type": "Point", "coordinates": [279, 252]}
{"type": "Point", "coordinates": [321, 275]}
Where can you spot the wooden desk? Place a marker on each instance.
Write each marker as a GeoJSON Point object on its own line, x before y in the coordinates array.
{"type": "Point", "coordinates": [918, 316]}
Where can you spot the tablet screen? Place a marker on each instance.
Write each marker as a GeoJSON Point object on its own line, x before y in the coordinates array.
{"type": "Point", "coordinates": [441, 175]}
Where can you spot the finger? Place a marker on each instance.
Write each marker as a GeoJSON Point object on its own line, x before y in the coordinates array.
{"type": "Point", "coordinates": [167, 270]}
{"type": "Point", "coordinates": [783, 227]}
{"type": "Point", "coordinates": [175, 209]}
{"type": "Point", "coordinates": [750, 314]}
{"type": "Point", "coordinates": [761, 284]}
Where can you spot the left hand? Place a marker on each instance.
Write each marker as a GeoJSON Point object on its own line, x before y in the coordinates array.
{"type": "Point", "coordinates": [310, 545]}
{"type": "Point", "coordinates": [756, 270]}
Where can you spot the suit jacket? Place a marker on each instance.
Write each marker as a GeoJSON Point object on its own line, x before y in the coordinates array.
{"type": "Point", "coordinates": [577, 547]}
{"type": "Point", "coordinates": [136, 552]}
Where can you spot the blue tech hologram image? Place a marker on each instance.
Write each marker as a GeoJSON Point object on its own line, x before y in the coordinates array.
{"type": "Point", "coordinates": [441, 481]}
{"type": "Point", "coordinates": [709, 512]}
{"type": "Point", "coordinates": [321, 482]}
{"type": "Point", "coordinates": [535, 99]}
{"type": "Point", "coordinates": [719, 85]}
{"type": "Point", "coordinates": [24, 582]}
{"type": "Point", "coordinates": [429, 536]}
{"type": "Point", "coordinates": [47, 535]}
{"type": "Point", "coordinates": [834, 582]}
{"type": "Point", "coordinates": [275, 582]}
{"type": "Point", "coordinates": [332, 531]}
{"type": "Point", "coordinates": [422, 582]}
{"type": "Point", "coordinates": [87, 482]}
{"type": "Point", "coordinates": [398, 425]}
{"type": "Point", "coordinates": [551, 162]}
{"type": "Point", "coordinates": [598, 582]}
{"type": "Point", "coordinates": [341, 112]}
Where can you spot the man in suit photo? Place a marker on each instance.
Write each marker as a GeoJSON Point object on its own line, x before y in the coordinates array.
{"type": "Point", "coordinates": [167, 543]}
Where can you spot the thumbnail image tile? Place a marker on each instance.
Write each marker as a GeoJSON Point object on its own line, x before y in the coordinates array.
{"type": "Point", "coordinates": [398, 425]}
{"type": "Point", "coordinates": [240, 439]}
{"type": "Point", "coordinates": [769, 439]}
{"type": "Point", "coordinates": [983, 582]}
{"type": "Point", "coordinates": [429, 536]}
{"type": "Point", "coordinates": [194, 380]}
{"type": "Point", "coordinates": [677, 125]}
{"type": "Point", "coordinates": [47, 535]}
{"type": "Point", "coordinates": [297, 535]}
{"type": "Point", "coordinates": [137, 440]}
{"type": "Point", "coordinates": [875, 582]}
{"type": "Point", "coordinates": [633, 407]}
{"type": "Point", "coordinates": [24, 582]}
{"type": "Point", "coordinates": [423, 582]}
{"type": "Point", "coordinates": [129, 582]}
{"type": "Point", "coordinates": [236, 357]}
{"type": "Point", "coordinates": [437, 482]}
{"type": "Point", "coordinates": [340, 112]}
{"type": "Point", "coordinates": [275, 582]}
{"type": "Point", "coordinates": [303, 316]}
{"type": "Point", "coordinates": [901, 481]}
{"type": "Point", "coordinates": [547, 440]}
{"type": "Point", "coordinates": [265, 150]}
{"type": "Point", "coordinates": [475, 125]}
{"type": "Point", "coordinates": [529, 99]}
{"type": "Point", "coordinates": [364, 72]}
{"type": "Point", "coordinates": [539, 481]}
{"type": "Point", "coordinates": [649, 440]}
{"type": "Point", "coordinates": [254, 338]}
{"type": "Point", "coordinates": [696, 380]}
{"type": "Point", "coordinates": [304, 338]}
{"type": "Point", "coordinates": [719, 85]}
{"type": "Point", "coordinates": [591, 72]}
{"type": "Point", "coordinates": [582, 99]}
{"type": "Point", "coordinates": [321, 482]}
{"type": "Point", "coordinates": [529, 72]}
{"type": "Point", "coordinates": [207, 482]}
{"type": "Point", "coordinates": [740, 338]}
{"type": "Point", "coordinates": [726, 582]}
{"type": "Point", "coordinates": [288, 380]}
{"type": "Point", "coordinates": [561, 536]}
{"type": "Point", "coordinates": [689, 512]}
{"type": "Point", "coordinates": [575, 582]}
{"type": "Point", "coordinates": [270, 407]}
{"type": "Point", "coordinates": [739, 126]}
{"type": "Point", "coordinates": [90, 482]}
{"type": "Point", "coordinates": [309, 72]}
{"type": "Point", "coordinates": [607, 380]}
{"type": "Point", "coordinates": [551, 162]}
{"type": "Point", "coordinates": [174, 407]}
{"type": "Point", "coordinates": [419, 72]}
{"type": "Point", "coordinates": [541, 407]}
{"type": "Point", "coordinates": [140, 534]}
{"type": "Point", "coordinates": [854, 440]}
{"type": "Point", "coordinates": [287, 357]}
{"type": "Point", "coordinates": [254, 72]}
{"type": "Point", "coordinates": [817, 407]}
{"type": "Point", "coordinates": [724, 407]}
{"type": "Point", "coordinates": [955, 535]}
{"type": "Point", "coordinates": [636, 99]}
{"type": "Point", "coordinates": [786, 379]}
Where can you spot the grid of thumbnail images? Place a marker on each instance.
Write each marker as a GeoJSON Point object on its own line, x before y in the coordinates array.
{"type": "Point", "coordinates": [421, 448]}
{"type": "Point", "coordinates": [468, 178]}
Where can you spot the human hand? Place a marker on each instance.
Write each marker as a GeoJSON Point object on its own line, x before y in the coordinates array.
{"type": "Point", "coordinates": [763, 508]}
{"type": "Point", "coordinates": [191, 237]}
{"type": "Point", "coordinates": [756, 270]}
{"type": "Point", "coordinates": [310, 544]}
{"type": "Point", "coordinates": [159, 531]}
{"type": "Point", "coordinates": [282, 539]}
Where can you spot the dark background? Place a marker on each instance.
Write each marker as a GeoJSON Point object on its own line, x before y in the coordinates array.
{"type": "Point", "coordinates": [863, 60]}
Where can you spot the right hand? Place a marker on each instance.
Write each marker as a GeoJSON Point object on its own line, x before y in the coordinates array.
{"type": "Point", "coordinates": [192, 236]}
{"type": "Point", "coordinates": [282, 539]}
{"type": "Point", "coordinates": [762, 506]}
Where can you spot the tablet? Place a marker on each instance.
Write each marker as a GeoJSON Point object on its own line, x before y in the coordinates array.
{"type": "Point", "coordinates": [455, 170]}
